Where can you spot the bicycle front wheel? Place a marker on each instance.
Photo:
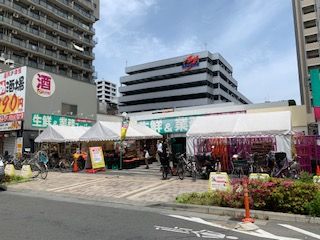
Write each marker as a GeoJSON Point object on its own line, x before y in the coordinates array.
{"type": "Point", "coordinates": [44, 171]}
{"type": "Point", "coordinates": [35, 168]}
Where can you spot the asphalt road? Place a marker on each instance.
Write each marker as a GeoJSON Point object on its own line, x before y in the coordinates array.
{"type": "Point", "coordinates": [25, 217]}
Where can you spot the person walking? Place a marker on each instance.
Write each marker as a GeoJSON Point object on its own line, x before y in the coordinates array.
{"type": "Point", "coordinates": [159, 151]}
{"type": "Point", "coordinates": [146, 156]}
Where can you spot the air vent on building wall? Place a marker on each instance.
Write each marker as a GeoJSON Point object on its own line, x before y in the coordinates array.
{"type": "Point", "coordinates": [54, 33]}
{"type": "Point", "coordinates": [54, 47]}
{"type": "Point", "coordinates": [16, 15]}
{"type": "Point", "coordinates": [32, 7]}
{"type": "Point", "coordinates": [14, 32]}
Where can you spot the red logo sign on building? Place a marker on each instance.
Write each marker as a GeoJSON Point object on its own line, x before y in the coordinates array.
{"type": "Point", "coordinates": [190, 62]}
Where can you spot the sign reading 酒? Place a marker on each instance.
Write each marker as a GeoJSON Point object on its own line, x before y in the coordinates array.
{"type": "Point", "coordinates": [40, 120]}
{"type": "Point", "coordinates": [43, 84]}
{"type": "Point", "coordinates": [12, 94]}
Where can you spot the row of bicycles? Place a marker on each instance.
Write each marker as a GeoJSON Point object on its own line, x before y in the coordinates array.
{"type": "Point", "coordinates": [276, 164]}
{"type": "Point", "coordinates": [38, 163]}
{"type": "Point", "coordinates": [199, 166]}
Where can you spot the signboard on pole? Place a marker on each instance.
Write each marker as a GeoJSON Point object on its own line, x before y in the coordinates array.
{"type": "Point", "coordinates": [97, 158]}
{"type": "Point", "coordinates": [124, 128]}
{"type": "Point", "coordinates": [12, 94]}
{"type": "Point", "coordinates": [40, 120]}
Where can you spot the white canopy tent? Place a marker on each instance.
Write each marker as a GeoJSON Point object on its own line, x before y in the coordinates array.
{"type": "Point", "coordinates": [60, 134]}
{"type": "Point", "coordinates": [276, 124]}
{"type": "Point", "coordinates": [110, 131]}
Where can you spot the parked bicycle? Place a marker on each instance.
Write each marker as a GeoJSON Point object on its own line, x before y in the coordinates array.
{"type": "Point", "coordinates": [285, 168]}
{"type": "Point", "coordinates": [184, 166]}
{"type": "Point", "coordinates": [38, 164]}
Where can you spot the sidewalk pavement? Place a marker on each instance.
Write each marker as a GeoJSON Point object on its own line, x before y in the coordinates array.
{"type": "Point", "coordinates": [140, 188]}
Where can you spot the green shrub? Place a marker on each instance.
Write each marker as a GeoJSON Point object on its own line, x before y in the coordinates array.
{"type": "Point", "coordinates": [12, 179]}
{"type": "Point", "coordinates": [280, 195]}
{"type": "Point", "coordinates": [206, 198]}
{"type": "Point", "coordinates": [306, 177]}
{"type": "Point", "coordinates": [314, 206]}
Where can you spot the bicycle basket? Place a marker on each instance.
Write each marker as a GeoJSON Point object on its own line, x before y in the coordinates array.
{"type": "Point", "coordinates": [43, 158]}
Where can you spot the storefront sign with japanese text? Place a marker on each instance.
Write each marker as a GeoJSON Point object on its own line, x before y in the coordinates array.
{"type": "Point", "coordinates": [9, 126]}
{"type": "Point", "coordinates": [175, 124]}
{"type": "Point", "coordinates": [44, 120]}
{"type": "Point", "coordinates": [96, 157]}
{"type": "Point", "coordinates": [43, 84]}
{"type": "Point", "coordinates": [12, 94]}
{"type": "Point", "coordinates": [169, 125]}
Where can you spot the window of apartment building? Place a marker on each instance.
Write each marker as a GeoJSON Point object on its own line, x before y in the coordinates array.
{"type": "Point", "coordinates": [309, 24]}
{"type": "Point", "coordinates": [313, 54]}
{"type": "Point", "coordinates": [69, 109]}
{"type": "Point", "coordinates": [311, 38]}
{"type": "Point", "coordinates": [308, 9]}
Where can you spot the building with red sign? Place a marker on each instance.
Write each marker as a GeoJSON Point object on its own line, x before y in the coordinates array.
{"type": "Point", "coordinates": [191, 80]}
{"type": "Point", "coordinates": [31, 99]}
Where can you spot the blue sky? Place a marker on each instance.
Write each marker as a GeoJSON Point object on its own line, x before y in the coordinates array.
{"type": "Point", "coordinates": [255, 36]}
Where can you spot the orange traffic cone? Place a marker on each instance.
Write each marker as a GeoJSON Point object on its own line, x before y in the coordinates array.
{"type": "Point", "coordinates": [75, 167]}
{"type": "Point", "coordinates": [318, 170]}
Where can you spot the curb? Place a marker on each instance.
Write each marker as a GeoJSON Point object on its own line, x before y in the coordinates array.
{"type": "Point", "coordinates": [239, 213]}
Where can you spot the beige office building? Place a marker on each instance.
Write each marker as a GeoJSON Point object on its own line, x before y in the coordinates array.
{"type": "Point", "coordinates": [56, 36]}
{"type": "Point", "coordinates": [306, 20]}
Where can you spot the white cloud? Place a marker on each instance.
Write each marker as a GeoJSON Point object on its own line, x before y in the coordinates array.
{"type": "Point", "coordinates": [272, 81]}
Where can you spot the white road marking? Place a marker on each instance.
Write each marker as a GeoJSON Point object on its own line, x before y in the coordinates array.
{"type": "Point", "coordinates": [200, 234]}
{"type": "Point", "coordinates": [301, 231]}
{"type": "Point", "coordinates": [257, 233]}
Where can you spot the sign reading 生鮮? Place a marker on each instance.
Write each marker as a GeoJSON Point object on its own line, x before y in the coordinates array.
{"type": "Point", "coordinates": [169, 125]}
{"type": "Point", "coordinates": [43, 84]}
{"type": "Point", "coordinates": [97, 158]}
{"type": "Point", "coordinates": [12, 94]}
{"type": "Point", "coordinates": [40, 120]}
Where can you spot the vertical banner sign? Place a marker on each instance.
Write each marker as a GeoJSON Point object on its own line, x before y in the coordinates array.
{"type": "Point", "coordinates": [12, 94]}
{"type": "Point", "coordinates": [96, 156]}
{"type": "Point", "coordinates": [19, 144]}
{"type": "Point", "coordinates": [315, 90]}
{"type": "Point", "coordinates": [124, 128]}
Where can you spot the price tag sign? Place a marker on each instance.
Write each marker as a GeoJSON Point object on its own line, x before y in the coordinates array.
{"type": "Point", "coordinates": [12, 94]}
{"type": "Point", "coordinates": [219, 182]}
{"type": "Point", "coordinates": [259, 176]}
{"type": "Point", "coordinates": [316, 179]}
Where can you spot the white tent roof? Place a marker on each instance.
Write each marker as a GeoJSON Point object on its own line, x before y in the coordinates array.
{"type": "Point", "coordinates": [110, 131]}
{"type": "Point", "coordinates": [269, 123]}
{"type": "Point", "coordinates": [56, 134]}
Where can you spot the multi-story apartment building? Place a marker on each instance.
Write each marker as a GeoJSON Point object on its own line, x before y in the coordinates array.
{"type": "Point", "coordinates": [191, 80]}
{"type": "Point", "coordinates": [106, 91]}
{"type": "Point", "coordinates": [53, 35]}
{"type": "Point", "coordinates": [306, 21]}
